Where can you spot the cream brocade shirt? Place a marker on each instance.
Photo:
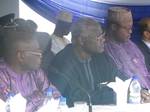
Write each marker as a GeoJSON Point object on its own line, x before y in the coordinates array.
{"type": "Point", "coordinates": [58, 43]}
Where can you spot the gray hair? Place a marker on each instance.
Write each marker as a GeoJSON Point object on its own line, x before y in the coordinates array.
{"type": "Point", "coordinates": [12, 40]}
{"type": "Point", "coordinates": [117, 14]}
{"type": "Point", "coordinates": [82, 25]}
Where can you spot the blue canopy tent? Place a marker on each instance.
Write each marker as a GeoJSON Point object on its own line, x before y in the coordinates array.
{"type": "Point", "coordinates": [96, 9]}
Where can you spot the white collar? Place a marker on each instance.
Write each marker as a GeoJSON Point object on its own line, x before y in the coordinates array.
{"type": "Point", "coordinates": [147, 43]}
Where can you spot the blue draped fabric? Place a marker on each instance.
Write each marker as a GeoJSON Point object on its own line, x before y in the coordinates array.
{"type": "Point", "coordinates": [50, 8]}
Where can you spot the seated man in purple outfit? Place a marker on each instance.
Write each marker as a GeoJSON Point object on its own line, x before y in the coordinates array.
{"type": "Point", "coordinates": [19, 71]}
{"type": "Point", "coordinates": [123, 51]}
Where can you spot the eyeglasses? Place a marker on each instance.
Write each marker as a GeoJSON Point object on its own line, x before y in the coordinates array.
{"type": "Point", "coordinates": [124, 27]}
{"type": "Point", "coordinates": [35, 53]}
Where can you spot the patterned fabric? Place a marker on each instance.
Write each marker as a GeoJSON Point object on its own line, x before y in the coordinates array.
{"type": "Point", "coordinates": [58, 43]}
{"type": "Point", "coordinates": [129, 59]}
{"type": "Point", "coordinates": [30, 84]}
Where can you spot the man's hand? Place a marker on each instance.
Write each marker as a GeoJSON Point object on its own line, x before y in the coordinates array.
{"type": "Point", "coordinates": [56, 93]}
{"type": "Point", "coordinates": [145, 96]}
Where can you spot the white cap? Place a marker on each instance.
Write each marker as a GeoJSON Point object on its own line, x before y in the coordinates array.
{"type": "Point", "coordinates": [65, 16]}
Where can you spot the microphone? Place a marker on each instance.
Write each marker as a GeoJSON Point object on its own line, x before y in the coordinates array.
{"type": "Point", "coordinates": [65, 78]}
{"type": "Point", "coordinates": [89, 103]}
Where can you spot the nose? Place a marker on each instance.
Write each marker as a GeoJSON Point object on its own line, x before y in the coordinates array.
{"type": "Point", "coordinates": [40, 58]}
{"type": "Point", "coordinates": [40, 55]}
{"type": "Point", "coordinates": [130, 31]}
{"type": "Point", "coordinates": [103, 39]}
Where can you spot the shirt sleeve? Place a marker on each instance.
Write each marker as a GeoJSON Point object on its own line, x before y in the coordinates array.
{"type": "Point", "coordinates": [4, 88]}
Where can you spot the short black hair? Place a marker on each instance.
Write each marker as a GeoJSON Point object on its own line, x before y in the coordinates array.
{"type": "Point", "coordinates": [79, 26]}
{"type": "Point", "coordinates": [44, 40]}
{"type": "Point", "coordinates": [25, 25]}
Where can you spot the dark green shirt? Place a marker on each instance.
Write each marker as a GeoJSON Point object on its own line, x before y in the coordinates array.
{"type": "Point", "coordinates": [76, 78]}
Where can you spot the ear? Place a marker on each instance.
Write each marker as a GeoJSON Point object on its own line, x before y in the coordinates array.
{"type": "Point", "coordinates": [81, 41]}
{"type": "Point", "coordinates": [20, 56]}
{"type": "Point", "coordinates": [78, 41]}
{"type": "Point", "coordinates": [113, 26]}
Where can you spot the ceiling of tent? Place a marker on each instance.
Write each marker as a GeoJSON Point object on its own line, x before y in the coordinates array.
{"type": "Point", "coordinates": [96, 9]}
{"type": "Point", "coordinates": [91, 8]}
{"type": "Point", "coordinates": [124, 2]}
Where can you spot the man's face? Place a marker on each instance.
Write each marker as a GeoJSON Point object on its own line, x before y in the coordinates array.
{"type": "Point", "coordinates": [123, 29]}
{"type": "Point", "coordinates": [31, 55]}
{"type": "Point", "coordinates": [64, 27]}
{"type": "Point", "coordinates": [147, 32]}
{"type": "Point", "coordinates": [94, 41]}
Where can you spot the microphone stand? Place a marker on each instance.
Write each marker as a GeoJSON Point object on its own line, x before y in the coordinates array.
{"type": "Point", "coordinates": [89, 103]}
